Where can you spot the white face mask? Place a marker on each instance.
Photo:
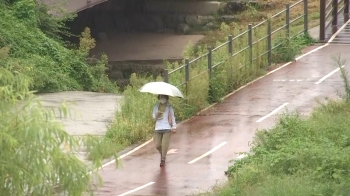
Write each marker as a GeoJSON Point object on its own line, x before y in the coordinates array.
{"type": "Point", "coordinates": [162, 100]}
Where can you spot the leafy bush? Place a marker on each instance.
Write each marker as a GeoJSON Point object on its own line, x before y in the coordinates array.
{"type": "Point", "coordinates": [288, 48]}
{"type": "Point", "coordinates": [316, 148]}
{"type": "Point", "coordinates": [36, 51]}
{"type": "Point", "coordinates": [38, 156]}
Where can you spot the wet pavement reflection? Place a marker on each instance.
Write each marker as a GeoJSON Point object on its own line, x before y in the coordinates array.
{"type": "Point", "coordinates": [162, 181]}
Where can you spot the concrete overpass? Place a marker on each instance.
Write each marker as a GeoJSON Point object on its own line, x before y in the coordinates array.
{"type": "Point", "coordinates": [73, 6]}
{"type": "Point", "coordinates": [185, 6]}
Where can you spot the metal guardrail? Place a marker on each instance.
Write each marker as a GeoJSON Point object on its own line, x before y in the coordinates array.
{"type": "Point", "coordinates": [329, 12]}
{"type": "Point", "coordinates": [249, 47]}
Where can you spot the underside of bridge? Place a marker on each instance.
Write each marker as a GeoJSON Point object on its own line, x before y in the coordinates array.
{"type": "Point", "coordinates": [141, 25]}
{"type": "Point", "coordinates": [161, 16]}
{"type": "Point", "coordinates": [142, 30]}
{"type": "Point", "coordinates": [135, 16]}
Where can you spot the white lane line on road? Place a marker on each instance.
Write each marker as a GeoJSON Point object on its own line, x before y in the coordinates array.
{"type": "Point", "coordinates": [138, 188]}
{"type": "Point", "coordinates": [311, 51]}
{"type": "Point", "coordinates": [273, 112]}
{"type": "Point", "coordinates": [339, 30]}
{"type": "Point", "coordinates": [329, 41]}
{"type": "Point", "coordinates": [244, 86]}
{"type": "Point", "coordinates": [135, 149]}
{"type": "Point", "coordinates": [328, 75]}
{"type": "Point", "coordinates": [241, 156]}
{"type": "Point", "coordinates": [126, 154]}
{"type": "Point", "coordinates": [208, 153]}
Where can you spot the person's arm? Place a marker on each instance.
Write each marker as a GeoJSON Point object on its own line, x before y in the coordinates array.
{"type": "Point", "coordinates": [154, 113]}
{"type": "Point", "coordinates": [173, 117]}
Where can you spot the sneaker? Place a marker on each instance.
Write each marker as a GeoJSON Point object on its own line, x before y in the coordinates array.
{"type": "Point", "coordinates": [162, 163]}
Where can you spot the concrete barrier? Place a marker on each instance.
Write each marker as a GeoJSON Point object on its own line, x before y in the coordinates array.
{"type": "Point", "coordinates": [190, 7]}
{"type": "Point", "coordinates": [186, 7]}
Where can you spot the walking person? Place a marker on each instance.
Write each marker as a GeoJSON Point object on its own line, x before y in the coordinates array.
{"type": "Point", "coordinates": [163, 114]}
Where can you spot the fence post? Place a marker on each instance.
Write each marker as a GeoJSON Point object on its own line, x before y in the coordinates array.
{"type": "Point", "coordinates": [166, 75]}
{"type": "Point", "coordinates": [250, 43]}
{"type": "Point", "coordinates": [269, 44]}
{"type": "Point", "coordinates": [334, 16]}
{"type": "Point", "coordinates": [210, 66]}
{"type": "Point", "coordinates": [230, 51]}
{"type": "Point", "coordinates": [322, 20]}
{"type": "Point", "coordinates": [187, 73]}
{"type": "Point", "coordinates": [306, 20]}
{"type": "Point", "coordinates": [346, 10]}
{"type": "Point", "coordinates": [230, 48]}
{"type": "Point", "coordinates": [187, 70]}
{"type": "Point", "coordinates": [287, 20]}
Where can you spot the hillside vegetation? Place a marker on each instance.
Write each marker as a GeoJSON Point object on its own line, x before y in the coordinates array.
{"type": "Point", "coordinates": [35, 49]}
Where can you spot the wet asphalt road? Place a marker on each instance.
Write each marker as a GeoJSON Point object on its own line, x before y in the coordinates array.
{"type": "Point", "coordinates": [226, 129]}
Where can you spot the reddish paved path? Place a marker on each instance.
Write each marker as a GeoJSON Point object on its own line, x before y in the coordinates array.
{"type": "Point", "coordinates": [233, 121]}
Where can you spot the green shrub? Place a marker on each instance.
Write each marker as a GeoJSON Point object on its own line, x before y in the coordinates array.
{"type": "Point", "coordinates": [296, 151]}
{"type": "Point", "coordinates": [36, 51]}
{"type": "Point", "coordinates": [133, 123]}
{"type": "Point", "coordinates": [316, 148]}
{"type": "Point", "coordinates": [38, 156]}
{"type": "Point", "coordinates": [288, 48]}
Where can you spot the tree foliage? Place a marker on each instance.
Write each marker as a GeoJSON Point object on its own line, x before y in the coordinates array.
{"type": "Point", "coordinates": [33, 38]}
{"type": "Point", "coordinates": [37, 155]}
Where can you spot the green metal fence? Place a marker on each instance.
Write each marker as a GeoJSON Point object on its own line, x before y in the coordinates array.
{"type": "Point", "coordinates": [250, 48]}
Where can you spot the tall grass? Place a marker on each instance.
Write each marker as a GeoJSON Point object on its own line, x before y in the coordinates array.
{"type": "Point", "coordinates": [133, 123]}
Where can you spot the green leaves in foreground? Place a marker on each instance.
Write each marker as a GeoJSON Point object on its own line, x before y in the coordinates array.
{"type": "Point", "coordinates": [36, 153]}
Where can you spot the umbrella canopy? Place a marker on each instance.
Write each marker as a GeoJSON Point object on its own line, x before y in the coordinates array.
{"type": "Point", "coordinates": [161, 88]}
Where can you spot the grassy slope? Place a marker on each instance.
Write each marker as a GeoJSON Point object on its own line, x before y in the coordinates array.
{"type": "Point", "coordinates": [50, 65]}
{"type": "Point", "coordinates": [297, 157]}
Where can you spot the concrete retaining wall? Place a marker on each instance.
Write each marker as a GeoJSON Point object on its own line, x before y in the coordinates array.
{"type": "Point", "coordinates": [186, 7]}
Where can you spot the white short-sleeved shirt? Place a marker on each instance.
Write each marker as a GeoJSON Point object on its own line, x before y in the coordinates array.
{"type": "Point", "coordinates": [163, 123]}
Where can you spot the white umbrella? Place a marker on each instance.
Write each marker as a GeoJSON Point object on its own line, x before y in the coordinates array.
{"type": "Point", "coordinates": [161, 88]}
